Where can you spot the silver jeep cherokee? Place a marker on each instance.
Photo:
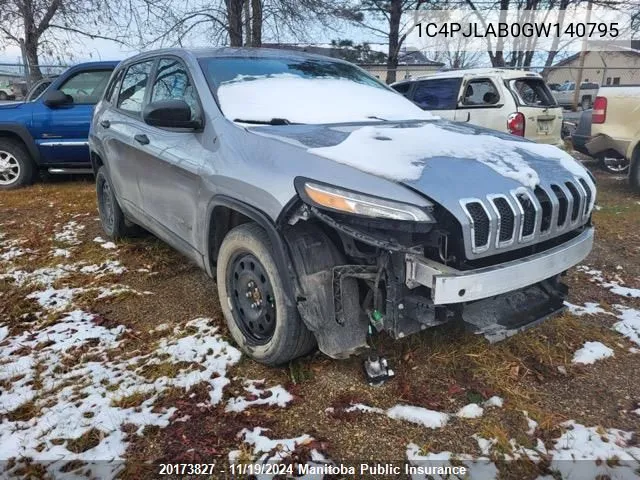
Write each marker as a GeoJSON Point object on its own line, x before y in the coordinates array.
{"type": "Point", "coordinates": [329, 207]}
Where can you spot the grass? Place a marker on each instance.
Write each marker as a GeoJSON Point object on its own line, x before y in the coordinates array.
{"type": "Point", "coordinates": [132, 400]}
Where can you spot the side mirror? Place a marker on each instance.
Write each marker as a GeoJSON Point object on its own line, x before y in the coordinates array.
{"type": "Point", "coordinates": [170, 114]}
{"type": "Point", "coordinates": [57, 98]}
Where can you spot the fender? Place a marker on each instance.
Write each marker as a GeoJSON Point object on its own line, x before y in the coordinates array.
{"type": "Point", "coordinates": [280, 251]}
{"type": "Point", "coordinates": [24, 135]}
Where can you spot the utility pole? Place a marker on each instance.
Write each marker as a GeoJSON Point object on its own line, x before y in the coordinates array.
{"type": "Point", "coordinates": [583, 52]}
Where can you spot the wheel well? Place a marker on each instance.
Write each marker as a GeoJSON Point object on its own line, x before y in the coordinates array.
{"type": "Point", "coordinates": [14, 136]}
{"type": "Point", "coordinates": [222, 220]}
{"type": "Point", "coordinates": [96, 162]}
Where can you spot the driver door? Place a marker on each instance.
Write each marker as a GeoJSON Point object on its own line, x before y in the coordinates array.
{"type": "Point", "coordinates": [61, 132]}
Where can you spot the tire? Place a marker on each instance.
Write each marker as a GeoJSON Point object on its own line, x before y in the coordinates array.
{"type": "Point", "coordinates": [634, 171]}
{"type": "Point", "coordinates": [114, 223]}
{"type": "Point", "coordinates": [586, 103]}
{"type": "Point", "coordinates": [16, 166]}
{"type": "Point", "coordinates": [619, 168]}
{"type": "Point", "coordinates": [273, 332]}
{"type": "Point", "coordinates": [3, 96]}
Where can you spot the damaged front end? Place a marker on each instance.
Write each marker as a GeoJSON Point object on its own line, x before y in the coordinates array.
{"type": "Point", "coordinates": [364, 264]}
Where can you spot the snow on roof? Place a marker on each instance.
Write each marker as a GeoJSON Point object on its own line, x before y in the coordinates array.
{"type": "Point", "coordinates": [506, 73]}
{"type": "Point", "coordinates": [313, 101]}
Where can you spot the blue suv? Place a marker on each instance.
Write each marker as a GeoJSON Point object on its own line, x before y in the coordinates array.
{"type": "Point", "coordinates": [50, 132]}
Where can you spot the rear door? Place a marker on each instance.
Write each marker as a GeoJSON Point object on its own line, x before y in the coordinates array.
{"type": "Point", "coordinates": [481, 103]}
{"type": "Point", "coordinates": [543, 117]}
{"type": "Point", "coordinates": [438, 95]}
{"type": "Point", "coordinates": [61, 132]}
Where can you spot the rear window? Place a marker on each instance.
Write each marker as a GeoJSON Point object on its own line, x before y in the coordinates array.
{"type": "Point", "coordinates": [532, 92]}
{"type": "Point", "coordinates": [437, 94]}
{"type": "Point", "coordinates": [402, 88]}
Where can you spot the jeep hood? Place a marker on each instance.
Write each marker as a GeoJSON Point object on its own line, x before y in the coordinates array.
{"type": "Point", "coordinates": [443, 160]}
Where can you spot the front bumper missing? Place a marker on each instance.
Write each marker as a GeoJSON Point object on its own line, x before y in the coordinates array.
{"type": "Point", "coordinates": [450, 286]}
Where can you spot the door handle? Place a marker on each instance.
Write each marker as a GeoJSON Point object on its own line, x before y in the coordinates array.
{"type": "Point", "coordinates": [141, 138]}
{"type": "Point", "coordinates": [105, 123]}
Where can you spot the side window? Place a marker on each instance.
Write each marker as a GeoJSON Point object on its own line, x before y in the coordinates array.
{"type": "Point", "coordinates": [480, 93]}
{"type": "Point", "coordinates": [437, 94]}
{"type": "Point", "coordinates": [402, 88]}
{"type": "Point", "coordinates": [86, 87]}
{"type": "Point", "coordinates": [172, 82]}
{"type": "Point", "coordinates": [112, 90]}
{"type": "Point", "coordinates": [134, 87]}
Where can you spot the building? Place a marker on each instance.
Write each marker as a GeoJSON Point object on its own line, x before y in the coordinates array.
{"type": "Point", "coordinates": [619, 66]}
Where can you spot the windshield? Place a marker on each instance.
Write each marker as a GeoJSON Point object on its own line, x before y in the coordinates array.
{"type": "Point", "coordinates": [302, 90]}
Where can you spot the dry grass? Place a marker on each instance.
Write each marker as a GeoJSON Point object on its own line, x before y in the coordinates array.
{"type": "Point", "coordinates": [132, 400]}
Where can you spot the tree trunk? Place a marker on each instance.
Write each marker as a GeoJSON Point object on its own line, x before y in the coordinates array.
{"type": "Point", "coordinates": [256, 22]}
{"type": "Point", "coordinates": [247, 23]}
{"type": "Point", "coordinates": [395, 14]}
{"type": "Point", "coordinates": [31, 51]}
{"type": "Point", "coordinates": [234, 15]}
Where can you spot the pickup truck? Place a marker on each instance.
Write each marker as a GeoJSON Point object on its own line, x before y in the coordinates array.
{"type": "Point", "coordinates": [588, 91]}
{"type": "Point", "coordinates": [615, 126]}
{"type": "Point", "coordinates": [7, 92]}
{"type": "Point", "coordinates": [50, 132]}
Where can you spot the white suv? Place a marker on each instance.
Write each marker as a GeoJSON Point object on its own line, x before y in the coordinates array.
{"type": "Point", "coordinates": [513, 101]}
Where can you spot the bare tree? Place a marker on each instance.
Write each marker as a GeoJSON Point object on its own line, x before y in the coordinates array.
{"type": "Point", "coordinates": [42, 26]}
{"type": "Point", "coordinates": [385, 18]}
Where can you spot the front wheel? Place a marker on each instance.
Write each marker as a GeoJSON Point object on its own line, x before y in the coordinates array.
{"type": "Point", "coordinates": [252, 298]}
{"type": "Point", "coordinates": [614, 165]}
{"type": "Point", "coordinates": [16, 166]}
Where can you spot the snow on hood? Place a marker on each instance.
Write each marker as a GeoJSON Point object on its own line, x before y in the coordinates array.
{"type": "Point", "coordinates": [400, 152]}
{"type": "Point", "coordinates": [312, 100]}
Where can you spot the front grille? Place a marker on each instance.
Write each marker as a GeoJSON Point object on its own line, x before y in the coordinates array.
{"type": "Point", "coordinates": [520, 217]}
{"type": "Point", "coordinates": [507, 218]}
{"type": "Point", "coordinates": [529, 214]}
{"type": "Point", "coordinates": [547, 209]}
{"type": "Point", "coordinates": [481, 224]}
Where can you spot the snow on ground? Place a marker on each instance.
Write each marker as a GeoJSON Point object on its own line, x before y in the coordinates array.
{"type": "Point", "coordinates": [69, 233]}
{"type": "Point", "coordinates": [531, 423]}
{"type": "Point", "coordinates": [273, 396]}
{"type": "Point", "coordinates": [93, 392]}
{"type": "Point", "coordinates": [629, 324]}
{"type": "Point", "coordinates": [616, 286]}
{"type": "Point", "coordinates": [494, 401]}
{"type": "Point", "coordinates": [265, 450]}
{"type": "Point", "coordinates": [421, 416]}
{"type": "Point", "coordinates": [480, 468]}
{"type": "Point", "coordinates": [592, 352]}
{"type": "Point", "coordinates": [473, 410]}
{"type": "Point", "coordinates": [589, 308]}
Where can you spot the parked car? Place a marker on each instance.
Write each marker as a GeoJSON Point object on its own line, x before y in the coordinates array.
{"type": "Point", "coordinates": [51, 131]}
{"type": "Point", "coordinates": [616, 127]}
{"type": "Point", "coordinates": [515, 102]}
{"type": "Point", "coordinates": [564, 95]}
{"type": "Point", "coordinates": [7, 92]}
{"type": "Point", "coordinates": [608, 159]}
{"type": "Point", "coordinates": [325, 204]}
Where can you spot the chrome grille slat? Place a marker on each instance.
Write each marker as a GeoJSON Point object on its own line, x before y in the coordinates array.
{"type": "Point", "coordinates": [519, 217]}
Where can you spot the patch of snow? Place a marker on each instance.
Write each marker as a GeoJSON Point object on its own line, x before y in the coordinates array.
{"type": "Point", "coordinates": [312, 101]}
{"type": "Point", "coordinates": [109, 245]}
{"type": "Point", "coordinates": [360, 407]}
{"type": "Point", "coordinates": [267, 451]}
{"type": "Point", "coordinates": [274, 396]}
{"type": "Point", "coordinates": [434, 465]}
{"type": "Point", "coordinates": [592, 352]}
{"type": "Point", "coordinates": [99, 240]}
{"type": "Point", "coordinates": [61, 252]}
{"type": "Point", "coordinates": [494, 401]}
{"type": "Point", "coordinates": [11, 253]}
{"type": "Point", "coordinates": [629, 324]}
{"type": "Point", "coordinates": [472, 410]}
{"type": "Point", "coordinates": [419, 415]}
{"type": "Point", "coordinates": [614, 285]}
{"type": "Point", "coordinates": [582, 452]}
{"type": "Point", "coordinates": [369, 149]}
{"type": "Point", "coordinates": [55, 299]}
{"type": "Point", "coordinates": [69, 233]}
{"type": "Point", "coordinates": [531, 423]}
{"type": "Point", "coordinates": [589, 308]}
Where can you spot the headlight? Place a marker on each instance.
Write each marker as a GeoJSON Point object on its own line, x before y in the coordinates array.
{"type": "Point", "coordinates": [346, 201]}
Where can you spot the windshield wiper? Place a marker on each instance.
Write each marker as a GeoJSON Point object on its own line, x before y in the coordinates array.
{"type": "Point", "coordinates": [273, 121]}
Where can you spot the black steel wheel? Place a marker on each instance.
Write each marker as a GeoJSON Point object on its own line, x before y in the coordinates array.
{"type": "Point", "coordinates": [252, 296]}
